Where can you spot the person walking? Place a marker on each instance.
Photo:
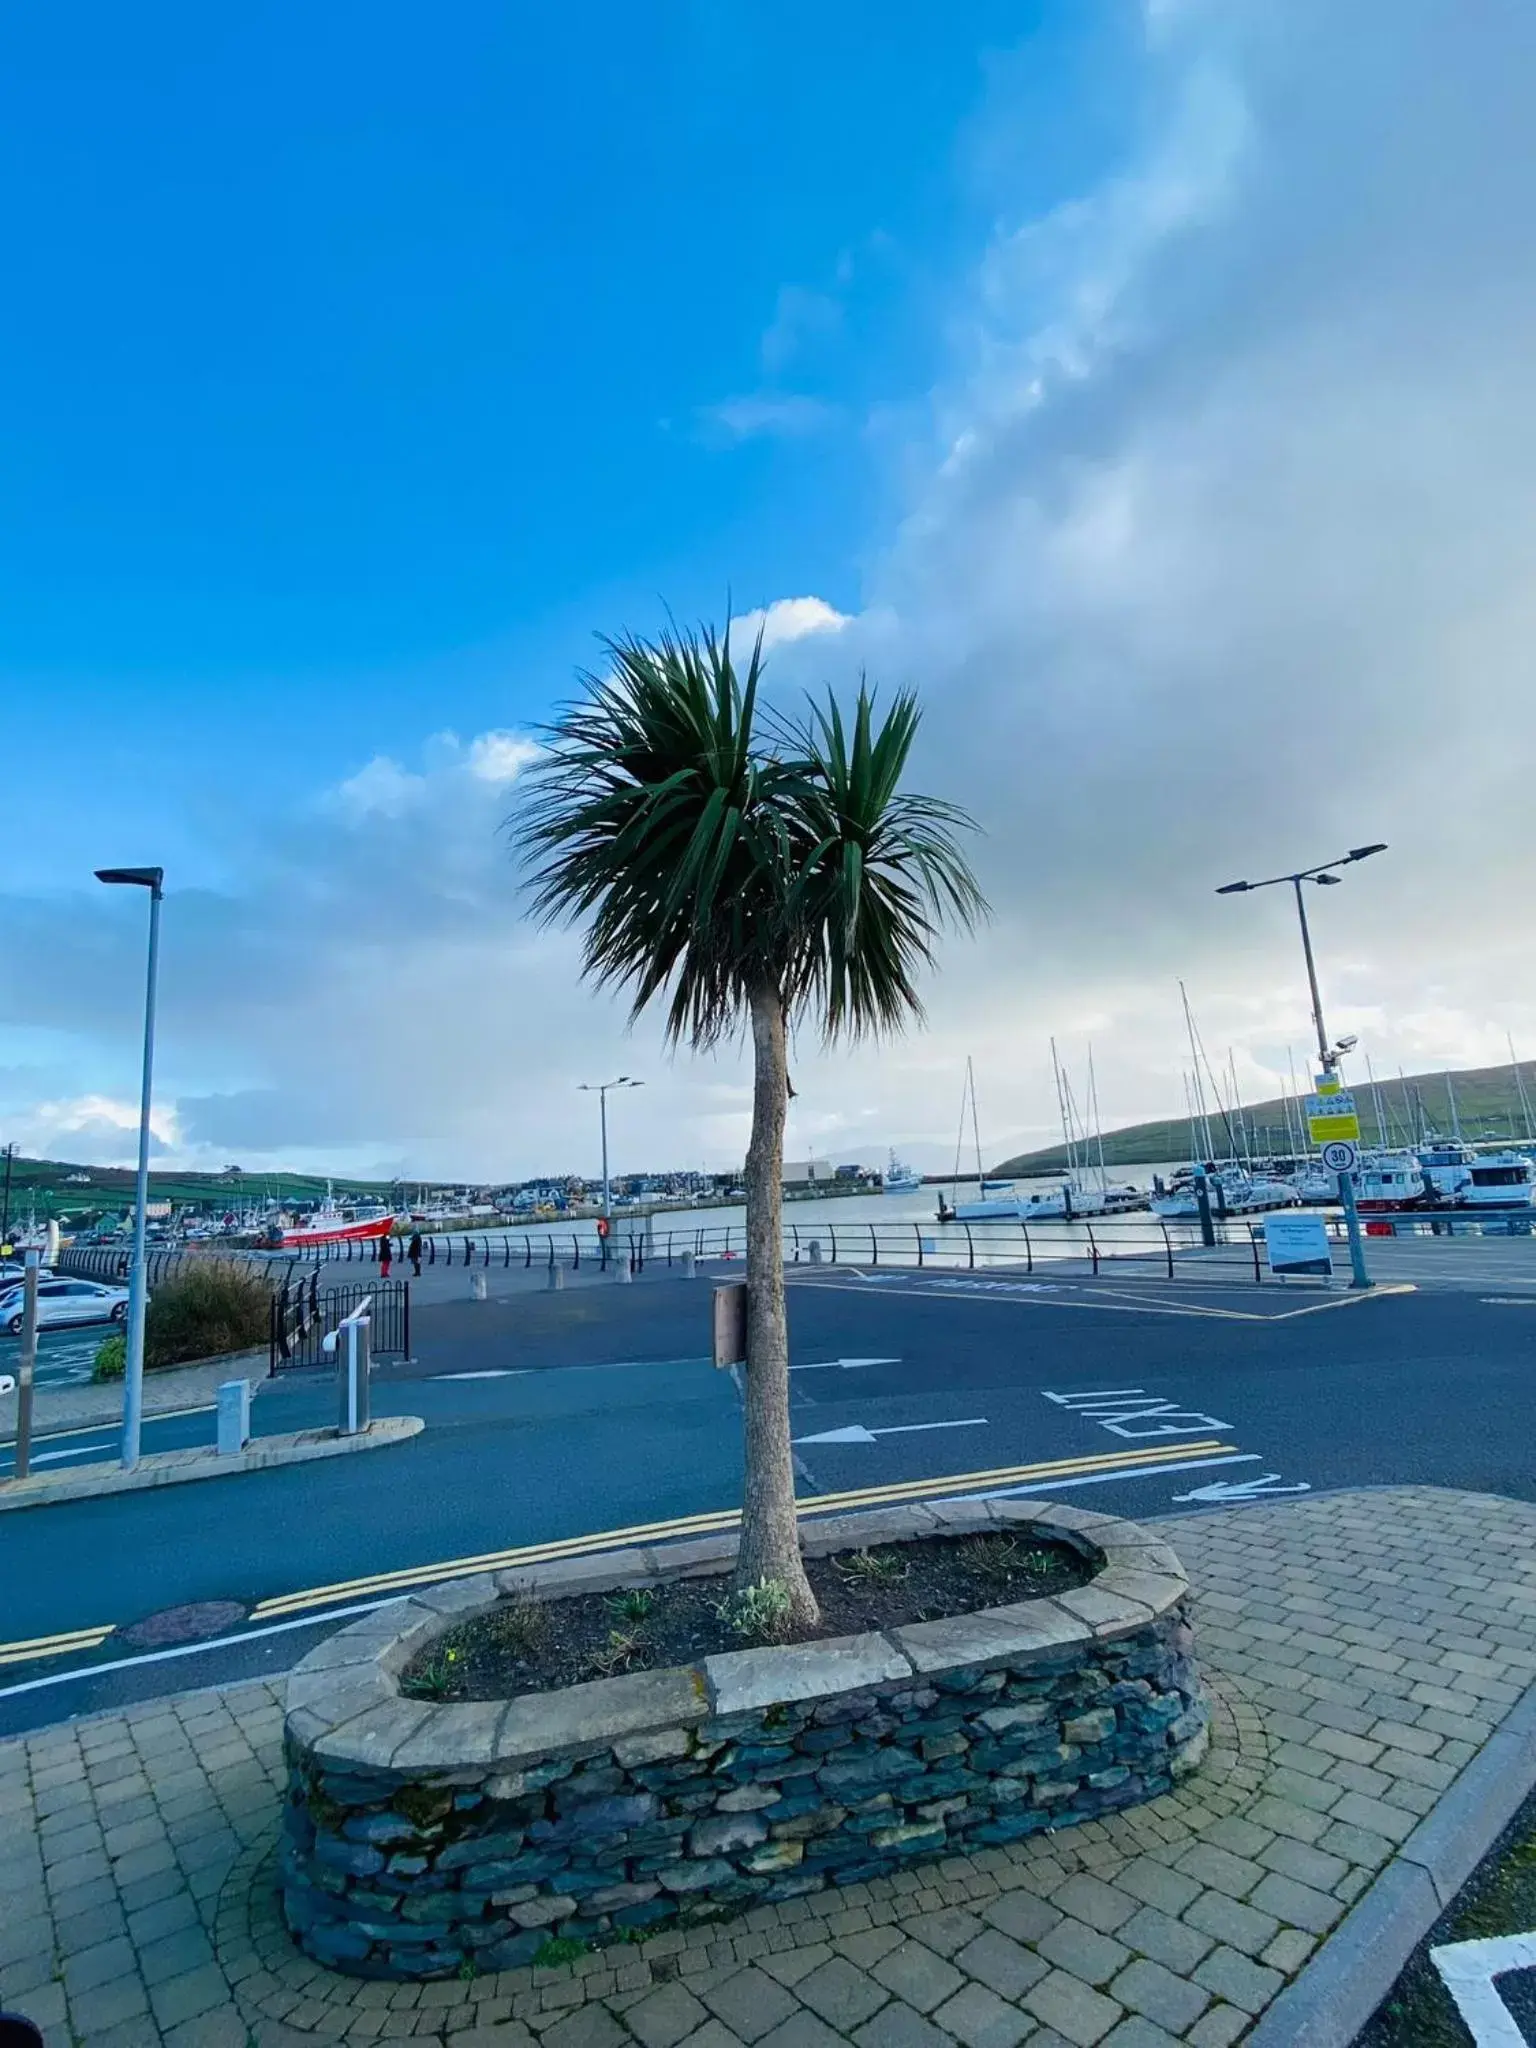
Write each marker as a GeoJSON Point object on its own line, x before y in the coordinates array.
{"type": "Point", "coordinates": [413, 1253]}
{"type": "Point", "coordinates": [386, 1254]}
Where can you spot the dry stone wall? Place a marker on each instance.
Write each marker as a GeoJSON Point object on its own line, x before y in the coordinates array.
{"type": "Point", "coordinates": [419, 1837]}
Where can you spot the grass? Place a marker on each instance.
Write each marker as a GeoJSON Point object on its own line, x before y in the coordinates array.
{"type": "Point", "coordinates": [873, 1567]}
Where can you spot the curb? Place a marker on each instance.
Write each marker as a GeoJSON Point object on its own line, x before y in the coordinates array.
{"type": "Point", "coordinates": [178, 1468]}
{"type": "Point", "coordinates": [1328, 2004]}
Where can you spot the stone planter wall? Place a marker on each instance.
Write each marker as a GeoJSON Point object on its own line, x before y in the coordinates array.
{"type": "Point", "coordinates": [419, 1836]}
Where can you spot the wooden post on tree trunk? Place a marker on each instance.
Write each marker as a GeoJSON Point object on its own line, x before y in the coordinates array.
{"type": "Point", "coordinates": [770, 1532]}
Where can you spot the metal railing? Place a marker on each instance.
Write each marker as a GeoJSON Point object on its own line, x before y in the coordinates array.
{"type": "Point", "coordinates": [305, 1316]}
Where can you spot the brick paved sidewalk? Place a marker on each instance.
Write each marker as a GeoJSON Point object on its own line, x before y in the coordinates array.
{"type": "Point", "coordinates": [1360, 1648]}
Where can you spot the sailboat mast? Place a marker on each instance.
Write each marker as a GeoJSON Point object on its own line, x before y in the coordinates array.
{"type": "Point", "coordinates": [1450, 1096]}
{"type": "Point", "coordinates": [1525, 1100]}
{"type": "Point", "coordinates": [975, 1123]}
{"type": "Point", "coordinates": [1370, 1075]}
{"type": "Point", "coordinates": [1294, 1099]}
{"type": "Point", "coordinates": [1098, 1121]}
{"type": "Point", "coordinates": [1061, 1110]}
{"type": "Point", "coordinates": [1198, 1100]}
{"type": "Point", "coordinates": [1243, 1134]}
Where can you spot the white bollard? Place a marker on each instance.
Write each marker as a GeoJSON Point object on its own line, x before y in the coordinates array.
{"type": "Point", "coordinates": [622, 1272]}
{"type": "Point", "coordinates": [477, 1291]}
{"type": "Point", "coordinates": [556, 1279]}
{"type": "Point", "coordinates": [234, 1417]}
{"type": "Point", "coordinates": [815, 1251]}
{"type": "Point", "coordinates": [687, 1264]}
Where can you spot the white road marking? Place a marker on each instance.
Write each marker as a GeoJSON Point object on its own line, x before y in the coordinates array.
{"type": "Point", "coordinates": [856, 1433]}
{"type": "Point", "coordinates": [1118, 1412]}
{"type": "Point", "coordinates": [1468, 1969]}
{"type": "Point", "coordinates": [491, 1372]}
{"type": "Point", "coordinates": [1508, 1300]}
{"type": "Point", "coordinates": [1103, 1478]}
{"type": "Point", "coordinates": [277, 1628]}
{"type": "Point", "coordinates": [842, 1364]}
{"type": "Point", "coordinates": [1244, 1489]}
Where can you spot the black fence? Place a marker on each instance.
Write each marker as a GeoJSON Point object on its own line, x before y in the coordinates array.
{"type": "Point", "coordinates": [304, 1314]}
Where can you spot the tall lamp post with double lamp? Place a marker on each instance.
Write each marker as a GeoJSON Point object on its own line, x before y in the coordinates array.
{"type": "Point", "coordinates": [152, 879]}
{"type": "Point", "coordinates": [600, 1089]}
{"type": "Point", "coordinates": [1328, 1055]}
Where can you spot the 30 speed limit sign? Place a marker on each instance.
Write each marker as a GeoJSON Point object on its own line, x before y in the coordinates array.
{"type": "Point", "coordinates": [1341, 1156]}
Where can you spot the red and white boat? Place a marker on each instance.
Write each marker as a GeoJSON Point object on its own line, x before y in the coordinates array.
{"type": "Point", "coordinates": [330, 1224]}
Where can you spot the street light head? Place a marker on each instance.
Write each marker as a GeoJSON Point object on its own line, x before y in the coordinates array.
{"type": "Point", "coordinates": [1365, 852]}
{"type": "Point", "coordinates": [145, 878]}
{"type": "Point", "coordinates": [1326, 881]}
{"type": "Point", "coordinates": [1233, 888]}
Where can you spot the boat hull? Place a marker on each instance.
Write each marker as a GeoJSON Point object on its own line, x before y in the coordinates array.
{"type": "Point", "coordinates": [336, 1232]}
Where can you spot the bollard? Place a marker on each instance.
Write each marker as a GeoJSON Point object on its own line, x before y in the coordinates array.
{"type": "Point", "coordinates": [686, 1261]}
{"type": "Point", "coordinates": [623, 1270]}
{"type": "Point", "coordinates": [815, 1251]}
{"type": "Point", "coordinates": [554, 1280]}
{"type": "Point", "coordinates": [477, 1287]}
{"type": "Point", "coordinates": [234, 1417]}
{"type": "Point", "coordinates": [352, 1340]}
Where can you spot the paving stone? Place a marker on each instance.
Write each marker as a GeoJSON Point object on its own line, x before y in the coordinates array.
{"type": "Point", "coordinates": [865, 1949]}
{"type": "Point", "coordinates": [917, 1975]}
{"type": "Point", "coordinates": [711, 2035]}
{"type": "Point", "coordinates": [1137, 2032]}
{"type": "Point", "coordinates": [1082, 2015]}
{"type": "Point", "coordinates": [842, 1995]}
{"type": "Point", "coordinates": [1296, 1904]}
{"type": "Point", "coordinates": [981, 2019]}
{"type": "Point", "coordinates": [1089, 1898]}
{"type": "Point", "coordinates": [591, 2027]}
{"type": "Point", "coordinates": [1166, 1940]}
{"type": "Point", "coordinates": [1084, 1951]}
{"type": "Point", "coordinates": [1224, 1919]}
{"type": "Point", "coordinates": [947, 1930]}
{"type": "Point", "coordinates": [1238, 1979]}
{"type": "Point", "coordinates": [98, 1964]}
{"type": "Point", "coordinates": [804, 2030]}
{"type": "Point", "coordinates": [1157, 1994]}
{"type": "Point", "coordinates": [1002, 1965]}
{"type": "Point", "coordinates": [1021, 1915]}
{"type": "Point", "coordinates": [790, 1965]}
{"type": "Point", "coordinates": [1218, 2028]}
{"type": "Point", "coordinates": [1157, 1884]}
{"type": "Point", "coordinates": [898, 2026]}
{"type": "Point", "coordinates": [669, 2015]}
{"type": "Point", "coordinates": [749, 2003]}
{"type": "Point", "coordinates": [1289, 1950]}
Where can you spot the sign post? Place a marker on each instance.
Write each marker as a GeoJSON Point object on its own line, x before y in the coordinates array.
{"type": "Point", "coordinates": [1296, 1241]}
{"type": "Point", "coordinates": [26, 1367]}
{"type": "Point", "coordinates": [1334, 1125]}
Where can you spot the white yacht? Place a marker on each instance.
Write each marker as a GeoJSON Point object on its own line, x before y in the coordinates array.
{"type": "Point", "coordinates": [1232, 1191]}
{"type": "Point", "coordinates": [1499, 1180]}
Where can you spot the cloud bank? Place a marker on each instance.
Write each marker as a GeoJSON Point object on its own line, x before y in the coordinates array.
{"type": "Point", "coordinates": [1210, 553]}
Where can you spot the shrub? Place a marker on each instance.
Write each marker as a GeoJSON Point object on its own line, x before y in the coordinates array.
{"type": "Point", "coordinates": [111, 1360]}
{"type": "Point", "coordinates": [760, 1613]}
{"type": "Point", "coordinates": [205, 1310]}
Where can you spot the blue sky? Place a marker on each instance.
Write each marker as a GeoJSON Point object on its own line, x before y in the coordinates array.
{"type": "Point", "coordinates": [1144, 380]}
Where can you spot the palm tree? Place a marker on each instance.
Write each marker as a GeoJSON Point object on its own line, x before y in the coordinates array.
{"type": "Point", "coordinates": [765, 880]}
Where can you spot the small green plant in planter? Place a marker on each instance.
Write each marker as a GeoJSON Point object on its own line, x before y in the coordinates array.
{"type": "Point", "coordinates": [634, 1604]}
{"type": "Point", "coordinates": [111, 1360]}
{"type": "Point", "coordinates": [761, 1613]}
{"type": "Point", "coordinates": [439, 1681]}
{"type": "Point", "coordinates": [873, 1568]}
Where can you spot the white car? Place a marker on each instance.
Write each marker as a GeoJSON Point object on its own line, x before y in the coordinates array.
{"type": "Point", "coordinates": [64, 1301]}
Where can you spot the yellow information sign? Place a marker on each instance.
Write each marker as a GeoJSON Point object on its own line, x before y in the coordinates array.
{"type": "Point", "coordinates": [1331, 1116]}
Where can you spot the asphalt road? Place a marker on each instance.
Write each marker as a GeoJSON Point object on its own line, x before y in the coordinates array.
{"type": "Point", "coordinates": [553, 1417]}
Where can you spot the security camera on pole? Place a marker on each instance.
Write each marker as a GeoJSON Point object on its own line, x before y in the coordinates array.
{"type": "Point", "coordinates": [1331, 1119]}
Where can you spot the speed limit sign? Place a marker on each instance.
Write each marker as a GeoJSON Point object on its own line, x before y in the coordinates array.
{"type": "Point", "coordinates": [1341, 1156]}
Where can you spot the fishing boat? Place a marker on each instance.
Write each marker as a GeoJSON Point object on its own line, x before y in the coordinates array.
{"type": "Point", "coordinates": [331, 1223]}
{"type": "Point", "coordinates": [1499, 1181]}
{"type": "Point", "coordinates": [899, 1178]}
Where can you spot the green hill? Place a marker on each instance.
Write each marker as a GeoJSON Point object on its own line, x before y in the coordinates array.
{"type": "Point", "coordinates": [1487, 1106]}
{"type": "Point", "coordinates": [61, 1187]}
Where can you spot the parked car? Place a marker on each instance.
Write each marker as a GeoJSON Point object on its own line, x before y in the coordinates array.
{"type": "Point", "coordinates": [64, 1301]}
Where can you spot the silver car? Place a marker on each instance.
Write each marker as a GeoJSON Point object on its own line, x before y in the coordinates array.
{"type": "Point", "coordinates": [64, 1301]}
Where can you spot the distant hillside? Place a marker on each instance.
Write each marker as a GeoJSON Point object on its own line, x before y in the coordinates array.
{"type": "Point", "coordinates": [62, 1187]}
{"type": "Point", "coordinates": [1487, 1104]}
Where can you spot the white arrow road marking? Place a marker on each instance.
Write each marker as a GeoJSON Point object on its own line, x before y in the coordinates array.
{"type": "Point", "coordinates": [492, 1372]}
{"type": "Point", "coordinates": [1120, 1472]}
{"type": "Point", "coordinates": [1470, 1971]}
{"type": "Point", "coordinates": [856, 1433]}
{"type": "Point", "coordinates": [1264, 1488]}
{"type": "Point", "coordinates": [843, 1364]}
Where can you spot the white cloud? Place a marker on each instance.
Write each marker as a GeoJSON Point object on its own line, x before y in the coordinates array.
{"type": "Point", "coordinates": [99, 1128]}
{"type": "Point", "coordinates": [381, 787]}
{"type": "Point", "coordinates": [801, 317]}
{"type": "Point", "coordinates": [788, 619]}
{"type": "Point", "coordinates": [500, 757]}
{"type": "Point", "coordinates": [773, 415]}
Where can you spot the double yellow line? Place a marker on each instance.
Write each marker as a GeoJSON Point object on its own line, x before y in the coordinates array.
{"type": "Point", "coordinates": [385, 1584]}
{"type": "Point", "coordinates": [54, 1646]}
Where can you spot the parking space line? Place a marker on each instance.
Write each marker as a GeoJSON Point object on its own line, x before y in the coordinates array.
{"type": "Point", "coordinates": [1020, 1295]}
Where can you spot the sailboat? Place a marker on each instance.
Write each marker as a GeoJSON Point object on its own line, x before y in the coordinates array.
{"type": "Point", "coordinates": [1087, 1190]}
{"type": "Point", "coordinates": [998, 1202]}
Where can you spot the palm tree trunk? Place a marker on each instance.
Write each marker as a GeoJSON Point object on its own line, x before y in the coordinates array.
{"type": "Point", "coordinates": [770, 1534]}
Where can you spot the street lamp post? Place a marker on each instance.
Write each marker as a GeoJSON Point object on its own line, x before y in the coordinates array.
{"type": "Point", "coordinates": [5, 1205]}
{"type": "Point", "coordinates": [600, 1090]}
{"type": "Point", "coordinates": [152, 879]}
{"type": "Point", "coordinates": [1328, 1055]}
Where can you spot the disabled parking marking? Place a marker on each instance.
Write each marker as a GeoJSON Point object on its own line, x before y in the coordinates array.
{"type": "Point", "coordinates": [1469, 1971]}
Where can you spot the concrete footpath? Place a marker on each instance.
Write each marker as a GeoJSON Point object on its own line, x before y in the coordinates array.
{"type": "Point", "coordinates": [1362, 1650]}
